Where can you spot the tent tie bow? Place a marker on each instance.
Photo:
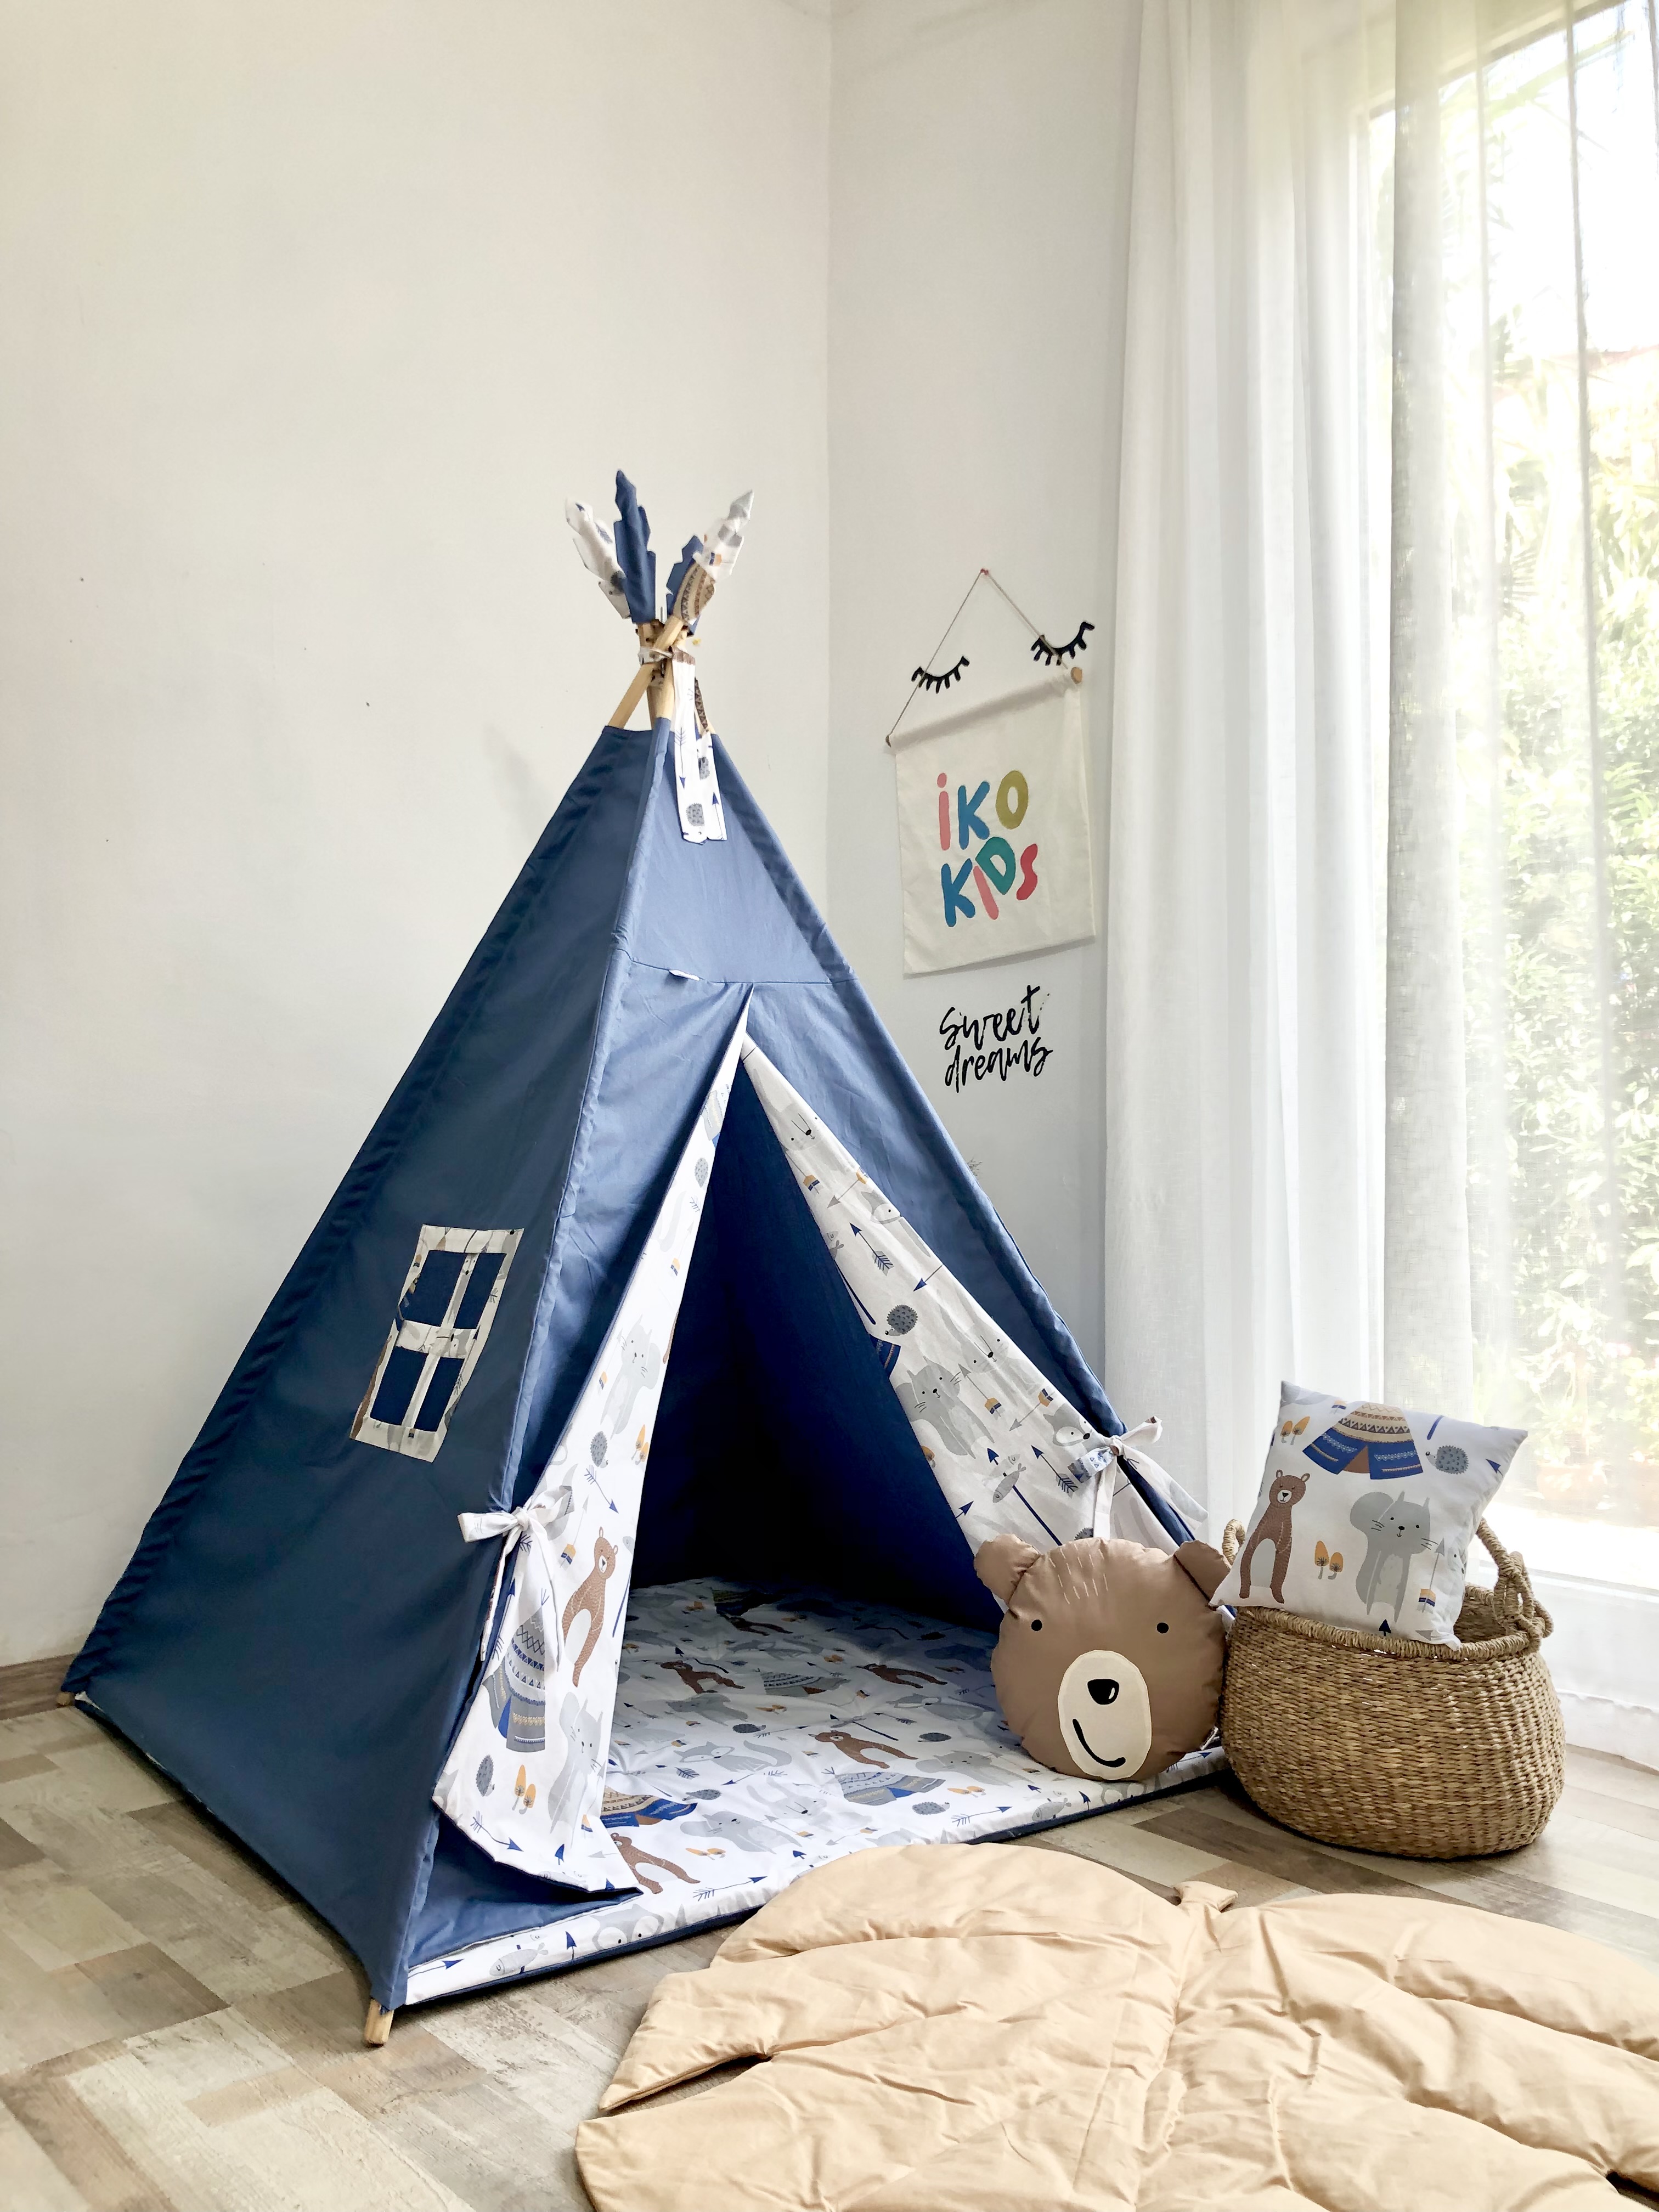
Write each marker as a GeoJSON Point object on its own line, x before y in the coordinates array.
{"type": "Point", "coordinates": [522, 1523]}
{"type": "Point", "coordinates": [1147, 1431]}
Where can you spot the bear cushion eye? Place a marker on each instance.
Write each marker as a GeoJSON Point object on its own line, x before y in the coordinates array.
{"type": "Point", "coordinates": [1163, 1628]}
{"type": "Point", "coordinates": [1037, 1624]}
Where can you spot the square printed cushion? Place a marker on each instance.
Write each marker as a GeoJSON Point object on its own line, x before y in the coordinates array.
{"type": "Point", "coordinates": [1366, 1514]}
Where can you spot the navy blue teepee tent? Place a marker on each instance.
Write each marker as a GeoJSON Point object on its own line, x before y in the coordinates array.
{"type": "Point", "coordinates": [296, 1637]}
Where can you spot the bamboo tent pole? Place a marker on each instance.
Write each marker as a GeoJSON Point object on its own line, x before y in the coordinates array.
{"type": "Point", "coordinates": [666, 636]}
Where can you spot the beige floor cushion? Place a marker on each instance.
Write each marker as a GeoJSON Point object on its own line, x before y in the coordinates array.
{"type": "Point", "coordinates": [951, 2028]}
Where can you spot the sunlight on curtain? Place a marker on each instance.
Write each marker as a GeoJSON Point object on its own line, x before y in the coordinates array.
{"type": "Point", "coordinates": [1381, 1074]}
{"type": "Point", "coordinates": [1516, 211]}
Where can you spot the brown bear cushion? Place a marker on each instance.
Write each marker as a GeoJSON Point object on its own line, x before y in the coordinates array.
{"type": "Point", "coordinates": [1109, 1661]}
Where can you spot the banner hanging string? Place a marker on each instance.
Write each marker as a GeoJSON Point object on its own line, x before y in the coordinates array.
{"type": "Point", "coordinates": [1040, 645]}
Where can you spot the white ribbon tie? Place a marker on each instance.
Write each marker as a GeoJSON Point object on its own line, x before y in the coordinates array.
{"type": "Point", "coordinates": [524, 1522]}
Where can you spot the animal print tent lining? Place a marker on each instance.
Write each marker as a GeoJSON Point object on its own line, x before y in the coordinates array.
{"type": "Point", "coordinates": [1007, 1450]}
{"type": "Point", "coordinates": [556, 1646]}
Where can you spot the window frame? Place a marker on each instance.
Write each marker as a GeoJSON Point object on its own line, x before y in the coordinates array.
{"type": "Point", "coordinates": [436, 1340]}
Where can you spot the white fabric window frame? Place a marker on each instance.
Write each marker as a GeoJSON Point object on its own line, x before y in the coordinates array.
{"type": "Point", "coordinates": [436, 1340]}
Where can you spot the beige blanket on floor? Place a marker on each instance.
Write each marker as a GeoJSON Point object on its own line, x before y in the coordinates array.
{"type": "Point", "coordinates": [957, 2029]}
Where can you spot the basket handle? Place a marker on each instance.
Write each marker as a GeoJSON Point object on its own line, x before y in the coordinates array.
{"type": "Point", "coordinates": [1232, 1537]}
{"type": "Point", "coordinates": [1515, 1592]}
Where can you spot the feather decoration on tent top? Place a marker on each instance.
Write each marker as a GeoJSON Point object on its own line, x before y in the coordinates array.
{"type": "Point", "coordinates": [685, 567]}
{"type": "Point", "coordinates": [598, 548]}
{"type": "Point", "coordinates": [704, 559]}
{"type": "Point", "coordinates": [638, 561]}
{"type": "Point", "coordinates": [626, 568]}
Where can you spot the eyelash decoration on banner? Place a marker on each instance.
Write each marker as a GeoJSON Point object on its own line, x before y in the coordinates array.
{"type": "Point", "coordinates": [930, 683]}
{"type": "Point", "coordinates": [1048, 654]}
{"type": "Point", "coordinates": [923, 679]}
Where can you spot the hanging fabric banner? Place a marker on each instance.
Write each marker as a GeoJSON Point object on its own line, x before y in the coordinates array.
{"type": "Point", "coordinates": [994, 830]}
{"type": "Point", "coordinates": [525, 1778]}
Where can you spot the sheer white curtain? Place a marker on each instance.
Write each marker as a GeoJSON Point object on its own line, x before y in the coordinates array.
{"type": "Point", "coordinates": [1243, 1077]}
{"type": "Point", "coordinates": [1383, 969]}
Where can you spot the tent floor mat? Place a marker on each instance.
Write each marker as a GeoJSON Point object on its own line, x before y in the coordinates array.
{"type": "Point", "coordinates": [761, 1733]}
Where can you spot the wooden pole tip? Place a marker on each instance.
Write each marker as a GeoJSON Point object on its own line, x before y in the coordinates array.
{"type": "Point", "coordinates": [66, 1696]}
{"type": "Point", "coordinates": [377, 2028]}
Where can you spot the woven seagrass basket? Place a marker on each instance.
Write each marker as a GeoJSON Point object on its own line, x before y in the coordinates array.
{"type": "Point", "coordinates": [1425, 1751]}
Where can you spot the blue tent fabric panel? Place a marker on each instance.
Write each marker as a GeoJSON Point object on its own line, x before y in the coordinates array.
{"type": "Point", "coordinates": [295, 1633]}
{"type": "Point", "coordinates": [737, 914]}
{"type": "Point", "coordinates": [579, 869]}
{"type": "Point", "coordinates": [1394, 1459]}
{"type": "Point", "coordinates": [243, 1679]}
{"type": "Point", "coordinates": [1334, 1450]}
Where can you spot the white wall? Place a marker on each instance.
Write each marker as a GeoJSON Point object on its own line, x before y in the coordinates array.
{"type": "Point", "coordinates": [979, 229]}
{"type": "Point", "coordinates": [315, 314]}
{"type": "Point", "coordinates": [315, 311]}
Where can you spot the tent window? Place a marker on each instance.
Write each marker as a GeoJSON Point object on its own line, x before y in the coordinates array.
{"type": "Point", "coordinates": [435, 1286]}
{"type": "Point", "coordinates": [449, 1300]}
{"type": "Point", "coordinates": [440, 1391]}
{"type": "Point", "coordinates": [485, 1268]}
{"type": "Point", "coordinates": [398, 1384]}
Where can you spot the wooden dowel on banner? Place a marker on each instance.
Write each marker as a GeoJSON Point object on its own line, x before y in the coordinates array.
{"type": "Point", "coordinates": [377, 2027]}
{"type": "Point", "coordinates": [1074, 672]}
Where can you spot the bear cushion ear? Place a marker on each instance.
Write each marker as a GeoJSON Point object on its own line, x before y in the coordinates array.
{"type": "Point", "coordinates": [1204, 1565]}
{"type": "Point", "coordinates": [1001, 1563]}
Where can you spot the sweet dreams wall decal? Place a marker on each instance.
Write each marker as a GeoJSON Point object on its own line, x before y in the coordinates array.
{"type": "Point", "coordinates": [1006, 1041]}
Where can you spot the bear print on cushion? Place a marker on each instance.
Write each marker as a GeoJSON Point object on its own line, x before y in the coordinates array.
{"type": "Point", "coordinates": [1109, 1661]}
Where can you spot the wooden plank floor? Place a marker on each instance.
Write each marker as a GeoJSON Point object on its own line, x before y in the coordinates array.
{"type": "Point", "coordinates": [179, 2033]}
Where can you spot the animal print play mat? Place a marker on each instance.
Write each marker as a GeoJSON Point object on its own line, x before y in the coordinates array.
{"type": "Point", "coordinates": [760, 1734]}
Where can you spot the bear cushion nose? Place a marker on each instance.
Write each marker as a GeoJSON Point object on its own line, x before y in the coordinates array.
{"type": "Point", "coordinates": [1102, 1689]}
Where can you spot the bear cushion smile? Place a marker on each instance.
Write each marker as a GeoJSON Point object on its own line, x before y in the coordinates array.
{"type": "Point", "coordinates": [1105, 1714]}
{"type": "Point", "coordinates": [1109, 1661]}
